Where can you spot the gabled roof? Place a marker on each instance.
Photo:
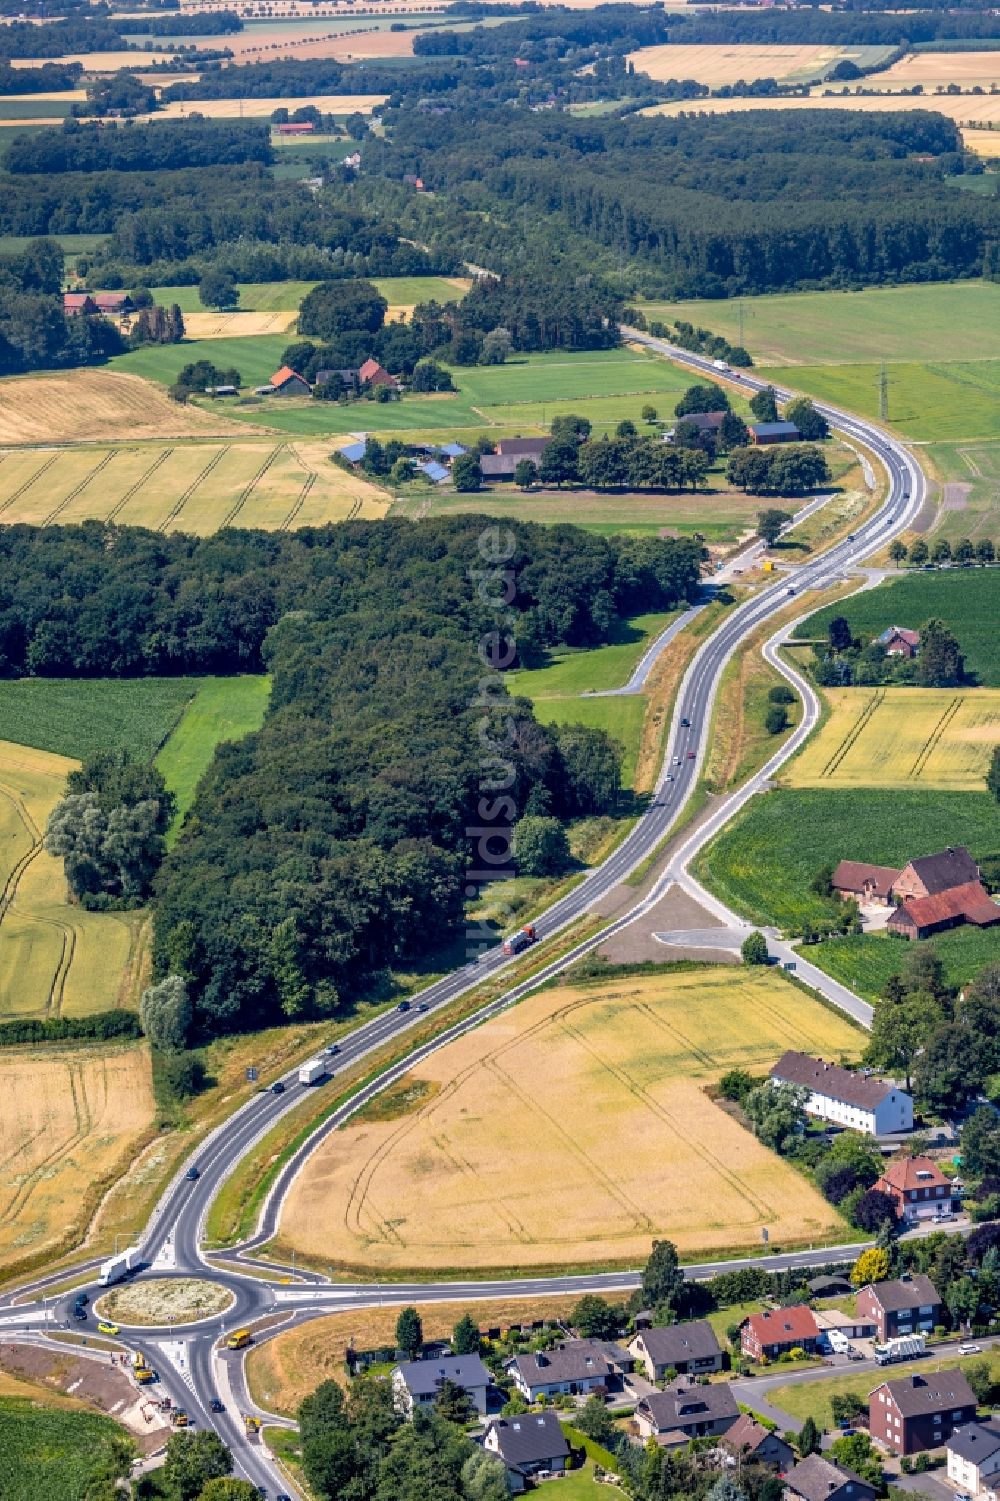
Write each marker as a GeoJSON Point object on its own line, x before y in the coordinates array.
{"type": "Point", "coordinates": [574, 1360]}
{"type": "Point", "coordinates": [680, 1342]}
{"type": "Point", "coordinates": [938, 1391]}
{"type": "Point", "coordinates": [971, 901]}
{"type": "Point", "coordinates": [530, 1439]}
{"type": "Point", "coordinates": [783, 1326]}
{"type": "Point", "coordinates": [747, 1433]}
{"type": "Point", "coordinates": [354, 452]}
{"type": "Point", "coordinates": [975, 1442]}
{"type": "Point", "coordinates": [950, 867]}
{"type": "Point", "coordinates": [816, 1477]}
{"type": "Point", "coordinates": [434, 471]}
{"type": "Point", "coordinates": [907, 1173]}
{"type": "Point", "coordinates": [422, 1378]}
{"type": "Point", "coordinates": [774, 429]}
{"type": "Point", "coordinates": [901, 633]}
{"type": "Point", "coordinates": [854, 875]}
{"type": "Point", "coordinates": [704, 420]}
{"type": "Point", "coordinates": [284, 375]}
{"type": "Point", "coordinates": [904, 1292]}
{"type": "Point", "coordinates": [497, 464]}
{"type": "Point", "coordinates": [523, 448]}
{"type": "Point", "coordinates": [832, 1080]}
{"type": "Point", "coordinates": [683, 1404]}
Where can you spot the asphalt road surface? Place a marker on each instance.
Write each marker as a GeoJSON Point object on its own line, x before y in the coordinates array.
{"type": "Point", "coordinates": [192, 1369]}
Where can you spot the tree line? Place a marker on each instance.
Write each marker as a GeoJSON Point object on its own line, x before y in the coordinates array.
{"type": "Point", "coordinates": [165, 146]}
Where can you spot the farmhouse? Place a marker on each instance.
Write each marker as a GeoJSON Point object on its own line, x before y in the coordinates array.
{"type": "Point", "coordinates": [574, 1366]}
{"type": "Point", "coordinates": [903, 1306]}
{"type": "Point", "coordinates": [752, 1442]}
{"type": "Point", "coordinates": [930, 875]}
{"type": "Point", "coordinates": [921, 916]}
{"type": "Point", "coordinates": [417, 1383]}
{"type": "Point", "coordinates": [817, 1478]}
{"type": "Point", "coordinates": [688, 1349]}
{"type": "Point", "coordinates": [498, 466]}
{"type": "Point", "coordinates": [288, 382]}
{"type": "Point", "coordinates": [776, 1330]}
{"type": "Point", "coordinates": [371, 373]}
{"type": "Point", "coordinates": [527, 1444]}
{"type": "Point", "coordinates": [865, 883]}
{"type": "Point", "coordinates": [920, 1412]}
{"type": "Point", "coordinates": [523, 448]}
{"type": "Point", "coordinates": [875, 1106]}
{"type": "Point", "coordinates": [683, 1411]}
{"type": "Point", "coordinates": [773, 432]}
{"type": "Point", "coordinates": [78, 302]}
{"type": "Point", "coordinates": [974, 1458]}
{"type": "Point", "coordinates": [917, 1186]}
{"type": "Point", "coordinates": [348, 378]}
{"type": "Point", "coordinates": [899, 642]}
{"type": "Point", "coordinates": [297, 128]}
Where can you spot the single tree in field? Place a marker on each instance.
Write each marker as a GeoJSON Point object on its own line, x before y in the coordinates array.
{"type": "Point", "coordinates": [776, 719]}
{"type": "Point", "coordinates": [217, 289]}
{"type": "Point", "coordinates": [898, 551]}
{"type": "Point", "coordinates": [409, 1332]}
{"type": "Point", "coordinates": [648, 413]}
{"type": "Point", "coordinates": [754, 948]}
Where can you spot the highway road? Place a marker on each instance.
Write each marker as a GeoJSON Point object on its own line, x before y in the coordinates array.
{"type": "Point", "coordinates": [192, 1369]}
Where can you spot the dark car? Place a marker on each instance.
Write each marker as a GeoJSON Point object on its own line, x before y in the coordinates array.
{"type": "Point", "coordinates": [81, 1299]}
{"type": "Point", "coordinates": [685, 723]}
{"type": "Point", "coordinates": [216, 1405]}
{"type": "Point", "coordinates": [403, 1006]}
{"type": "Point", "coordinates": [79, 1312]}
{"type": "Point", "coordinates": [278, 1087]}
{"type": "Point", "coordinates": [422, 1006]}
{"type": "Point", "coordinates": [333, 1050]}
{"type": "Point", "coordinates": [192, 1174]}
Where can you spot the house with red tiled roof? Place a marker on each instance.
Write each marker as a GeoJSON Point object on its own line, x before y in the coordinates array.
{"type": "Point", "coordinates": [917, 1186]}
{"type": "Point", "coordinates": [899, 641]}
{"type": "Point", "coordinates": [288, 382]}
{"type": "Point", "coordinates": [863, 882]}
{"type": "Point", "coordinates": [923, 915]}
{"type": "Point", "coordinates": [78, 302]}
{"type": "Point", "coordinates": [771, 1333]}
{"type": "Point", "coordinates": [372, 373]}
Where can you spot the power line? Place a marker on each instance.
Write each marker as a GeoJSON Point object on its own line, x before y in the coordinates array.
{"type": "Point", "coordinates": [883, 393]}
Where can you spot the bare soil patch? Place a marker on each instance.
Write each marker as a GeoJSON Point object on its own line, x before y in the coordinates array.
{"type": "Point", "coordinates": [164, 1300]}
{"type": "Point", "coordinates": [92, 1380]}
{"type": "Point", "coordinates": [83, 405]}
{"type": "Point", "coordinates": [675, 909]}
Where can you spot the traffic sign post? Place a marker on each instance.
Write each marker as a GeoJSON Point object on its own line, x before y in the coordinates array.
{"type": "Point", "coordinates": [251, 1075]}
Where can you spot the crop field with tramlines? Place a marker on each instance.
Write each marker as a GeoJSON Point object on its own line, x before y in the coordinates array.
{"type": "Point", "coordinates": [55, 959]}
{"type": "Point", "coordinates": [902, 737]}
{"type": "Point", "coordinates": [192, 487]}
{"type": "Point", "coordinates": [570, 1130]}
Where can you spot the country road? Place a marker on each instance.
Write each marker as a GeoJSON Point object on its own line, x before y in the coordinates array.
{"type": "Point", "coordinates": [190, 1367]}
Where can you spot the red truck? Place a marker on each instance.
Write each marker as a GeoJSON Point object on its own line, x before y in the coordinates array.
{"type": "Point", "coordinates": [519, 941]}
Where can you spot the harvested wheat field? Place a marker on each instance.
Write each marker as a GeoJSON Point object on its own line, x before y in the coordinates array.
{"type": "Point", "coordinates": [98, 62]}
{"type": "Point", "coordinates": [982, 142]}
{"type": "Point", "coordinates": [283, 1370]}
{"type": "Point", "coordinates": [93, 405]}
{"type": "Point", "coordinates": [717, 65]}
{"type": "Point", "coordinates": [939, 69]}
{"type": "Point", "coordinates": [237, 325]}
{"type": "Point", "coordinates": [570, 1131]}
{"type": "Point", "coordinates": [966, 110]}
{"type": "Point", "coordinates": [902, 737]}
{"type": "Point", "coordinates": [343, 45]}
{"type": "Point", "coordinates": [191, 487]}
{"type": "Point", "coordinates": [70, 1122]}
{"type": "Point", "coordinates": [55, 958]}
{"type": "Point", "coordinates": [238, 109]}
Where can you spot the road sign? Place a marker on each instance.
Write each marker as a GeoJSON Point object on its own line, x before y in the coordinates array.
{"type": "Point", "coordinates": [763, 1234]}
{"type": "Point", "coordinates": [251, 1075]}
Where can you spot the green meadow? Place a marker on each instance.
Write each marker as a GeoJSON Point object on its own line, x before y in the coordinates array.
{"type": "Point", "coordinates": [221, 709]}
{"type": "Point", "coordinates": [256, 358]}
{"type": "Point", "coordinates": [929, 402]}
{"type": "Point", "coordinates": [620, 717]}
{"type": "Point", "coordinates": [568, 671]}
{"type": "Point", "coordinates": [972, 472]}
{"type": "Point", "coordinates": [286, 296]}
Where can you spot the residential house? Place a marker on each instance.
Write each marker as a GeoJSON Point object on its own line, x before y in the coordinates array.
{"type": "Point", "coordinates": [920, 1412]}
{"type": "Point", "coordinates": [576, 1366]}
{"type": "Point", "coordinates": [921, 916]}
{"type": "Point", "coordinates": [905, 1305]}
{"type": "Point", "coordinates": [899, 642]}
{"type": "Point", "coordinates": [863, 882]}
{"type": "Point", "coordinates": [417, 1383]}
{"type": "Point", "coordinates": [371, 373]}
{"type": "Point", "coordinates": [974, 1458]}
{"type": "Point", "coordinates": [685, 1410]}
{"type": "Point", "coordinates": [354, 452]}
{"type": "Point", "coordinates": [348, 378]}
{"type": "Point", "coordinates": [929, 875]}
{"type": "Point", "coordinates": [523, 448]}
{"type": "Point", "coordinates": [113, 304]}
{"type": "Point", "coordinates": [773, 432]}
{"type": "Point", "coordinates": [288, 382]}
{"type": "Point", "coordinates": [817, 1478]}
{"type": "Point", "coordinates": [688, 1349]}
{"type": "Point", "coordinates": [858, 1101]}
{"type": "Point", "coordinates": [918, 1187]}
{"type": "Point", "coordinates": [770, 1334]}
{"type": "Point", "coordinates": [705, 422]}
{"type": "Point", "coordinates": [78, 302]}
{"type": "Point", "coordinates": [527, 1445]}
{"type": "Point", "coordinates": [752, 1443]}
{"type": "Point", "coordinates": [838, 1329]}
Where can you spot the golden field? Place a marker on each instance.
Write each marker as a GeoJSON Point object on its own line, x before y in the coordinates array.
{"type": "Point", "coordinates": [718, 64]}
{"type": "Point", "coordinates": [97, 62]}
{"type": "Point", "coordinates": [287, 1368]}
{"type": "Point", "coordinates": [572, 1130]}
{"type": "Point", "coordinates": [238, 325]}
{"type": "Point", "coordinates": [938, 69]}
{"type": "Point", "coordinates": [902, 737]}
{"type": "Point", "coordinates": [70, 1122]}
{"type": "Point", "coordinates": [191, 487]}
{"type": "Point", "coordinates": [237, 109]}
{"type": "Point", "coordinates": [91, 405]}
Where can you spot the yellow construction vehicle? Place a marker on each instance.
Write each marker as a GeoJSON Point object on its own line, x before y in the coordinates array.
{"type": "Point", "coordinates": [179, 1418]}
{"type": "Point", "coordinates": [251, 1424]}
{"type": "Point", "coordinates": [239, 1339]}
{"type": "Point", "coordinates": [144, 1375]}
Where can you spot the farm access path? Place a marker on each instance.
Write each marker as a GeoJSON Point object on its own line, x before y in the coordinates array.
{"type": "Point", "coordinates": [192, 1369]}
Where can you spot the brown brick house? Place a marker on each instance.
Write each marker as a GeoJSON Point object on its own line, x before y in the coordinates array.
{"type": "Point", "coordinates": [920, 1412]}
{"type": "Point", "coordinates": [906, 1305]}
{"type": "Point", "coordinates": [918, 1187]}
{"type": "Point", "coordinates": [931, 874]}
{"type": "Point", "coordinates": [771, 1333]}
{"type": "Point", "coordinates": [863, 882]}
{"type": "Point", "coordinates": [921, 916]}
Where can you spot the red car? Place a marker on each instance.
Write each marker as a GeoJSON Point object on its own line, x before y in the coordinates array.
{"type": "Point", "coordinates": [690, 755]}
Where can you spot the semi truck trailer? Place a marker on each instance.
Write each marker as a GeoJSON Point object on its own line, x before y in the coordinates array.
{"type": "Point", "coordinates": [312, 1071]}
{"type": "Point", "coordinates": [117, 1267]}
{"type": "Point", "coordinates": [519, 941]}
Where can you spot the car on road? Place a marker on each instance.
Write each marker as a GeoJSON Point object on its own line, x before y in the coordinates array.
{"type": "Point", "coordinates": [403, 1006]}
{"type": "Point", "coordinates": [216, 1405]}
{"type": "Point", "coordinates": [677, 760]}
{"type": "Point", "coordinates": [970, 1349]}
{"type": "Point", "coordinates": [277, 1087]}
{"type": "Point", "coordinates": [962, 1496]}
{"type": "Point", "coordinates": [192, 1174]}
{"type": "Point", "coordinates": [422, 1006]}
{"type": "Point", "coordinates": [670, 776]}
{"type": "Point", "coordinates": [789, 590]}
{"type": "Point", "coordinates": [685, 723]}
{"type": "Point", "coordinates": [80, 1313]}
{"type": "Point", "coordinates": [690, 755]}
{"type": "Point", "coordinates": [105, 1328]}
{"type": "Point", "coordinates": [333, 1050]}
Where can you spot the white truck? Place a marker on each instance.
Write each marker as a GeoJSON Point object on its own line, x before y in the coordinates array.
{"type": "Point", "coordinates": [719, 365]}
{"type": "Point", "coordinates": [312, 1071]}
{"type": "Point", "coordinates": [903, 1347]}
{"type": "Point", "coordinates": [117, 1267]}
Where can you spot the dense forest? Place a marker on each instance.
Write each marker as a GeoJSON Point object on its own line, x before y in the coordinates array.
{"type": "Point", "coordinates": [334, 842]}
{"type": "Point", "coordinates": [170, 146]}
